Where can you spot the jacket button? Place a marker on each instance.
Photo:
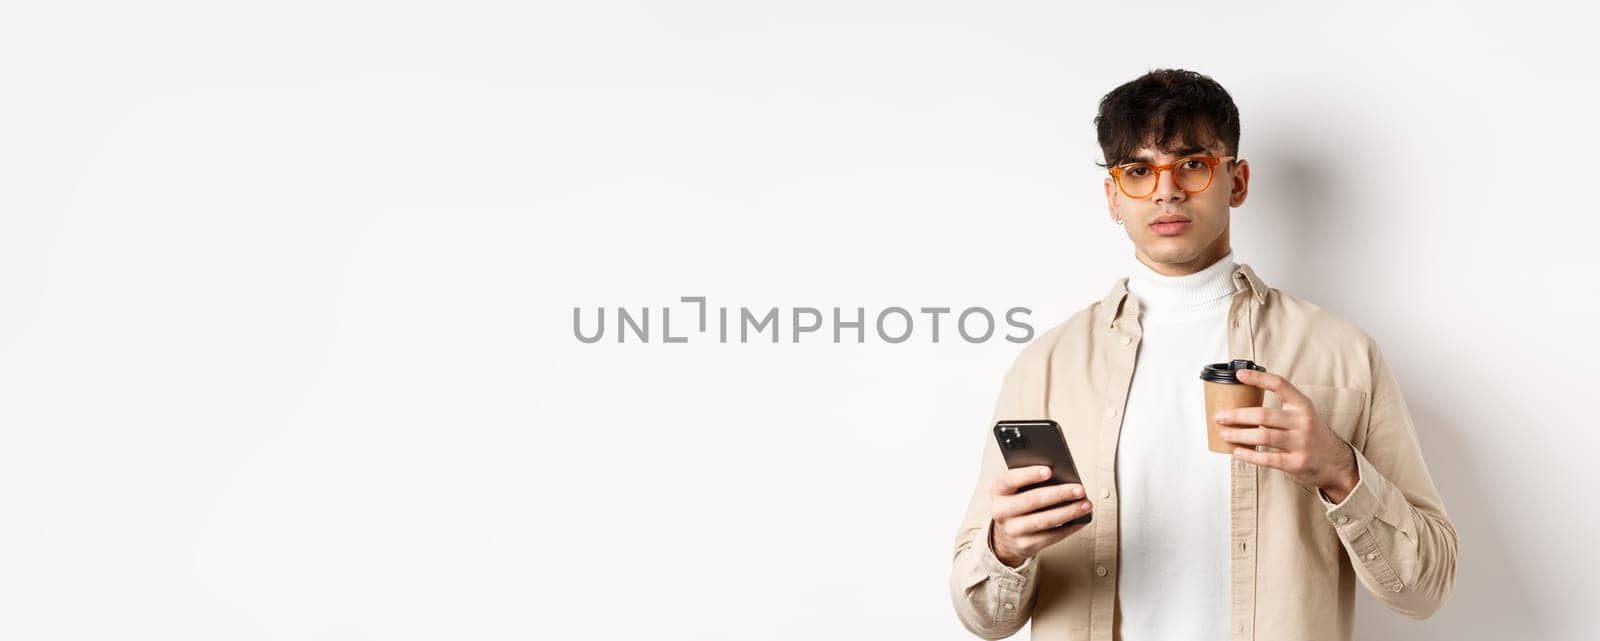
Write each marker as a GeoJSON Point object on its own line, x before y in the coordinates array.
{"type": "Point", "coordinates": [1127, 340]}
{"type": "Point", "coordinates": [1372, 555]}
{"type": "Point", "coordinates": [1100, 571]}
{"type": "Point", "coordinates": [1105, 492]}
{"type": "Point", "coordinates": [1343, 520]}
{"type": "Point", "coordinates": [1111, 412]}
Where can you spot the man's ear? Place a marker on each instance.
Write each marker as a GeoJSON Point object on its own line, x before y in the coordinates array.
{"type": "Point", "coordinates": [1111, 199]}
{"type": "Point", "coordinates": [1241, 183]}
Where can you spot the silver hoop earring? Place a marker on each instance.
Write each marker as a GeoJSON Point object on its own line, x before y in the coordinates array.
{"type": "Point", "coordinates": [1119, 221]}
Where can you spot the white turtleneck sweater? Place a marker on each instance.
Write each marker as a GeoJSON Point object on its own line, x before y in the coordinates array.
{"type": "Point", "coordinates": [1175, 497]}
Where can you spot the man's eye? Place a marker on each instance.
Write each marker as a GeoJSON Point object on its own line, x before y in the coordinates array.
{"type": "Point", "coordinates": [1138, 171]}
{"type": "Point", "coordinates": [1192, 164]}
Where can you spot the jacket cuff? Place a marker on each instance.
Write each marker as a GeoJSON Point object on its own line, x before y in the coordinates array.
{"type": "Point", "coordinates": [1373, 499]}
{"type": "Point", "coordinates": [1365, 501]}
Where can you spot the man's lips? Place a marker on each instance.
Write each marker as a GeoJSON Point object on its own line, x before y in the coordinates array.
{"type": "Point", "coordinates": [1170, 225]}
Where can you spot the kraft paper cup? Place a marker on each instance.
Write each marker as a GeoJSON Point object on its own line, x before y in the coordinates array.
{"type": "Point", "coordinates": [1225, 392]}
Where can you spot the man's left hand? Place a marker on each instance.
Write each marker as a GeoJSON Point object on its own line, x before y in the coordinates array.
{"type": "Point", "coordinates": [1308, 450]}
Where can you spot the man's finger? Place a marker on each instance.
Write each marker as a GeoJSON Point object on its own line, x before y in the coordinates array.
{"type": "Point", "coordinates": [1011, 505]}
{"type": "Point", "coordinates": [1009, 481]}
{"type": "Point", "coordinates": [1048, 537]}
{"type": "Point", "coordinates": [1256, 436]}
{"type": "Point", "coordinates": [1263, 416]}
{"type": "Point", "coordinates": [1277, 385]}
{"type": "Point", "coordinates": [1265, 459]}
{"type": "Point", "coordinates": [1056, 517]}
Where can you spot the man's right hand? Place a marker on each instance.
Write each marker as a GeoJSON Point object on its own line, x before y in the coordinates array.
{"type": "Point", "coordinates": [1021, 526]}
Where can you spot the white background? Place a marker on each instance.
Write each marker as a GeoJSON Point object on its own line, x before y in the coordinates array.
{"type": "Point", "coordinates": [286, 296]}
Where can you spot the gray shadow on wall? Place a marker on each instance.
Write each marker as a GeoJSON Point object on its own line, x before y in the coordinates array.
{"type": "Point", "coordinates": [1334, 267]}
{"type": "Point", "coordinates": [1299, 229]}
{"type": "Point", "coordinates": [1310, 224]}
{"type": "Point", "coordinates": [1491, 599]}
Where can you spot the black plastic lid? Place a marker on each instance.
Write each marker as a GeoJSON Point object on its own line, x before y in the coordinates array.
{"type": "Point", "coordinates": [1224, 372]}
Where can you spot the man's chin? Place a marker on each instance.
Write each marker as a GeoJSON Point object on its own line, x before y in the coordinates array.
{"type": "Point", "coordinates": [1172, 253]}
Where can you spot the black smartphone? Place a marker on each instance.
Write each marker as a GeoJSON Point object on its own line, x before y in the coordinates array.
{"type": "Point", "coordinates": [1039, 442]}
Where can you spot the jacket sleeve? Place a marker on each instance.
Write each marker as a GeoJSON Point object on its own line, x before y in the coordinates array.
{"type": "Point", "coordinates": [992, 600]}
{"type": "Point", "coordinates": [1393, 524]}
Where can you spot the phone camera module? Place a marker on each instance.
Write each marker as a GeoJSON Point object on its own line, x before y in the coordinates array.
{"type": "Point", "coordinates": [1011, 439]}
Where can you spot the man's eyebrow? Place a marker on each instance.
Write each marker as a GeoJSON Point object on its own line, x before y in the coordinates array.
{"type": "Point", "coordinates": [1145, 157]}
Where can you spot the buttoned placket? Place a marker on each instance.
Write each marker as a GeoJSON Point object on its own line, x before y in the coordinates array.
{"type": "Point", "coordinates": [1243, 477]}
{"type": "Point", "coordinates": [1124, 345]}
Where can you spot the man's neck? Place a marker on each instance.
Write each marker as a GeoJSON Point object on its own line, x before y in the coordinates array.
{"type": "Point", "coordinates": [1202, 288]}
{"type": "Point", "coordinates": [1184, 269]}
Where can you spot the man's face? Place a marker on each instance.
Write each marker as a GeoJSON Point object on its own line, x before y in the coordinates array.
{"type": "Point", "coordinates": [1200, 236]}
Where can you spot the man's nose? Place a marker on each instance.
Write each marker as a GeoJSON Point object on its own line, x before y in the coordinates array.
{"type": "Point", "coordinates": [1167, 188]}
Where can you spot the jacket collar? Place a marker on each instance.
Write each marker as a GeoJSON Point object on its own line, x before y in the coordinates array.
{"type": "Point", "coordinates": [1117, 303]}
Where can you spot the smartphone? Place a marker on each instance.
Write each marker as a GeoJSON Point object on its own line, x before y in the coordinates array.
{"type": "Point", "coordinates": [1039, 442]}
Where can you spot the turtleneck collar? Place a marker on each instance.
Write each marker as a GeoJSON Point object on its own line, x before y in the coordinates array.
{"type": "Point", "coordinates": [1161, 292]}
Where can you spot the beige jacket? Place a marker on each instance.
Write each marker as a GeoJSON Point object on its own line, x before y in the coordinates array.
{"type": "Point", "coordinates": [1295, 557]}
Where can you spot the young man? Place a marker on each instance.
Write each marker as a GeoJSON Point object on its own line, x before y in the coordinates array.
{"type": "Point", "coordinates": [1325, 487]}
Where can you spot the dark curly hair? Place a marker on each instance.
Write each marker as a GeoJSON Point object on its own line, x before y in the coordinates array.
{"type": "Point", "coordinates": [1163, 109]}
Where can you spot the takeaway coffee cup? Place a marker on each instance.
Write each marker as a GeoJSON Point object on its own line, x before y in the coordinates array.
{"type": "Point", "coordinates": [1225, 392]}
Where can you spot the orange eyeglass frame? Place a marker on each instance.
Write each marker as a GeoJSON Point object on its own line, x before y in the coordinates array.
{"type": "Point", "coordinates": [1210, 161]}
